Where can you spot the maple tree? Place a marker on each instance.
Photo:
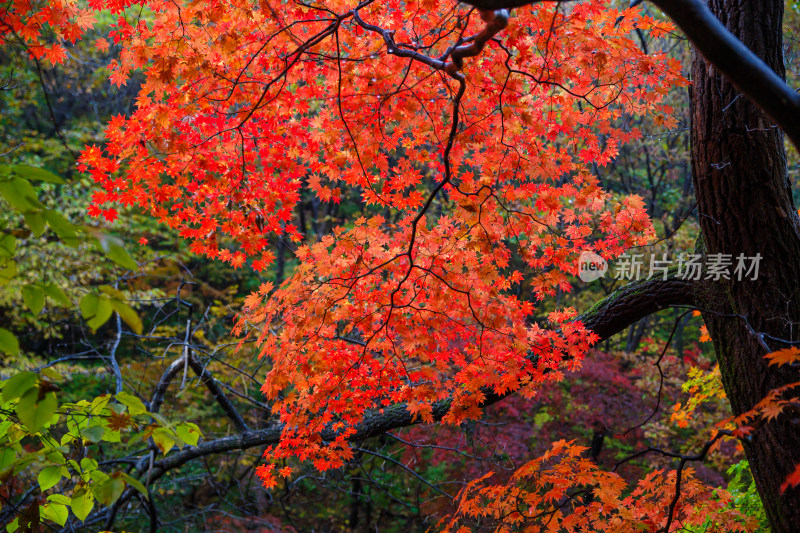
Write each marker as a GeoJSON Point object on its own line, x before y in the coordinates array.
{"type": "Point", "coordinates": [469, 137]}
{"type": "Point", "coordinates": [414, 312]}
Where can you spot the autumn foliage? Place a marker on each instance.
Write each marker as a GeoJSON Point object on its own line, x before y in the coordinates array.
{"type": "Point", "coordinates": [45, 28]}
{"type": "Point", "coordinates": [242, 106]}
{"type": "Point", "coordinates": [467, 139]}
{"type": "Point", "coordinates": [565, 491]}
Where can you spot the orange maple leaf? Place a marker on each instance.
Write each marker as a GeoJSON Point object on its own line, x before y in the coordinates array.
{"type": "Point", "coordinates": [784, 357]}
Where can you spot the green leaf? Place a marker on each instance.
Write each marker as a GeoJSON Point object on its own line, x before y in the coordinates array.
{"type": "Point", "coordinates": [120, 256]}
{"type": "Point", "coordinates": [35, 220]}
{"type": "Point", "coordinates": [82, 503]}
{"type": "Point", "coordinates": [55, 512]}
{"type": "Point", "coordinates": [103, 314]}
{"type": "Point", "coordinates": [17, 385]}
{"type": "Point", "coordinates": [98, 476]}
{"type": "Point", "coordinates": [8, 343]}
{"type": "Point", "coordinates": [56, 457]}
{"type": "Point", "coordinates": [95, 309]}
{"type": "Point", "coordinates": [20, 195]}
{"type": "Point", "coordinates": [160, 419]}
{"type": "Point", "coordinates": [56, 293]}
{"type": "Point", "coordinates": [109, 491]}
{"type": "Point", "coordinates": [134, 404]}
{"type": "Point", "coordinates": [59, 498]}
{"type": "Point", "coordinates": [8, 272]}
{"type": "Point", "coordinates": [4, 428]}
{"type": "Point", "coordinates": [8, 246]}
{"type": "Point", "coordinates": [128, 315]}
{"type": "Point", "coordinates": [89, 305]}
{"type": "Point", "coordinates": [136, 484]}
{"type": "Point", "coordinates": [13, 525]}
{"type": "Point", "coordinates": [75, 466]}
{"type": "Point", "coordinates": [163, 439]}
{"type": "Point", "coordinates": [33, 296]}
{"type": "Point", "coordinates": [99, 403]}
{"type": "Point", "coordinates": [51, 475]}
{"type": "Point", "coordinates": [35, 412]}
{"type": "Point", "coordinates": [36, 174]}
{"type": "Point", "coordinates": [188, 432]}
{"type": "Point", "coordinates": [65, 230]}
{"type": "Point", "coordinates": [93, 433]}
{"type": "Point", "coordinates": [112, 436]}
{"type": "Point", "coordinates": [111, 291]}
{"type": "Point", "coordinates": [7, 458]}
{"type": "Point", "coordinates": [88, 464]}
{"type": "Point", "coordinates": [113, 249]}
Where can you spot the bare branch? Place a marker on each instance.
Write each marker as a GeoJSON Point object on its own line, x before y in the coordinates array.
{"type": "Point", "coordinates": [208, 380]}
{"type": "Point", "coordinates": [163, 383]}
{"type": "Point", "coordinates": [212, 385]}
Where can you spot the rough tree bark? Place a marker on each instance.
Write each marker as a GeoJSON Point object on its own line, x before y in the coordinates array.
{"type": "Point", "coordinates": [745, 207]}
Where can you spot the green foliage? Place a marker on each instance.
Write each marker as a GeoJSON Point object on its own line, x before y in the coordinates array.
{"type": "Point", "coordinates": [96, 307]}
{"type": "Point", "coordinates": [8, 342]}
{"type": "Point", "coordinates": [55, 442]}
{"type": "Point", "coordinates": [746, 499]}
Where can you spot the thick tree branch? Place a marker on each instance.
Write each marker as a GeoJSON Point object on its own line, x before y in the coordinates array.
{"type": "Point", "coordinates": [724, 51]}
{"type": "Point", "coordinates": [213, 387]}
{"type": "Point", "coordinates": [635, 301]}
{"type": "Point", "coordinates": [743, 67]}
{"type": "Point", "coordinates": [163, 383]}
{"type": "Point", "coordinates": [206, 378]}
{"type": "Point", "coordinates": [609, 316]}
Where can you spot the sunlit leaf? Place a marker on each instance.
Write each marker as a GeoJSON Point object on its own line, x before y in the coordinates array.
{"type": "Point", "coordinates": [18, 384]}
{"type": "Point", "coordinates": [36, 412]}
{"type": "Point", "coordinates": [82, 503]}
{"type": "Point", "coordinates": [51, 475]}
{"type": "Point", "coordinates": [134, 404]}
{"type": "Point", "coordinates": [55, 512]}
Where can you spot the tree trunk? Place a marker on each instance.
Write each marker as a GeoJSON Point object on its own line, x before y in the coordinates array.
{"type": "Point", "coordinates": [745, 207]}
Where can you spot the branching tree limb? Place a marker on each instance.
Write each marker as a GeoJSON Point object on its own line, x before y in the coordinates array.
{"type": "Point", "coordinates": [724, 51]}
{"type": "Point", "coordinates": [611, 315]}
{"type": "Point", "coordinates": [738, 63]}
{"type": "Point", "coordinates": [635, 301]}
